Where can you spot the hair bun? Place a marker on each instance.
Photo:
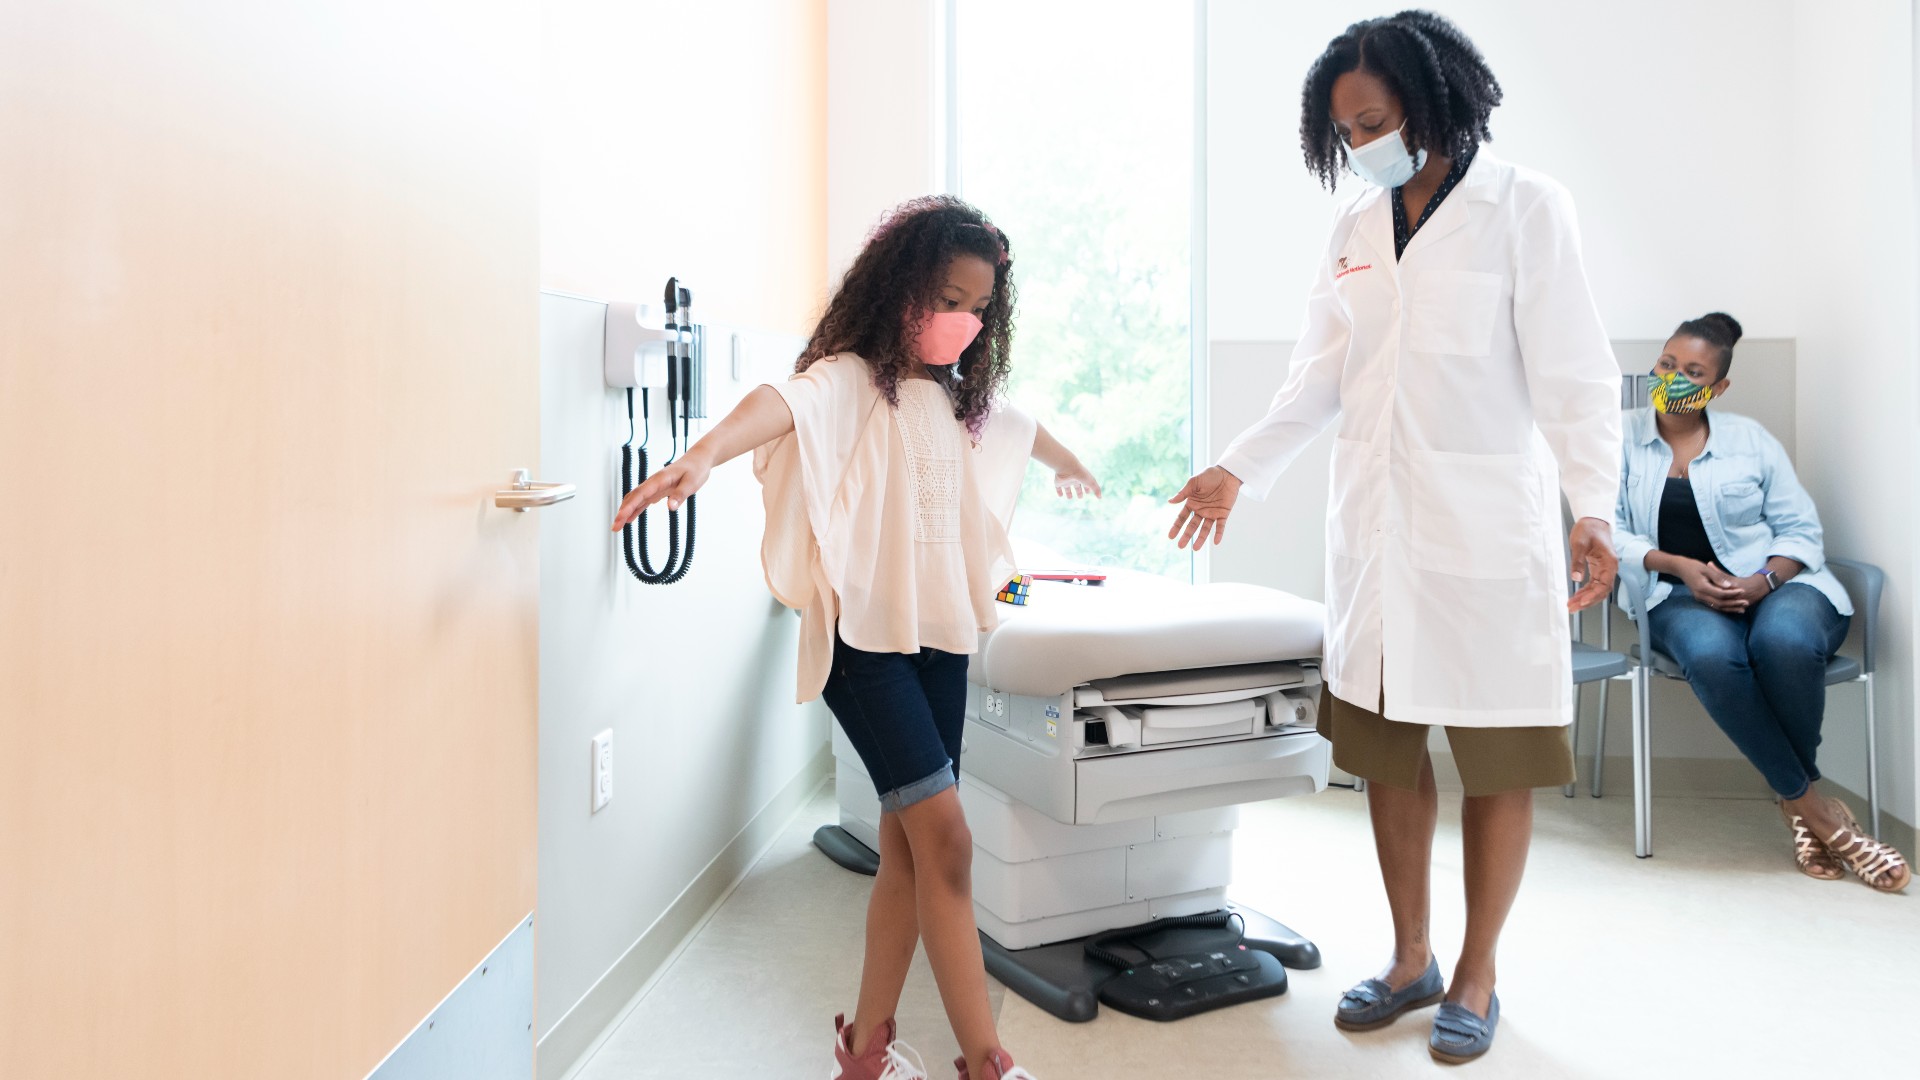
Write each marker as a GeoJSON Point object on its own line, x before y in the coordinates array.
{"type": "Point", "coordinates": [1727, 323]}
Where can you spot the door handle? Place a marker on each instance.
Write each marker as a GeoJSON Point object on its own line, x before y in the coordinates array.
{"type": "Point", "coordinates": [526, 494]}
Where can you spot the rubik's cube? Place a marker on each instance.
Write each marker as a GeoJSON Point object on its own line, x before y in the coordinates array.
{"type": "Point", "coordinates": [1015, 591]}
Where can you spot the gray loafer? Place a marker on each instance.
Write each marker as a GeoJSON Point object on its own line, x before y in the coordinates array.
{"type": "Point", "coordinates": [1459, 1035]}
{"type": "Point", "coordinates": [1372, 1003]}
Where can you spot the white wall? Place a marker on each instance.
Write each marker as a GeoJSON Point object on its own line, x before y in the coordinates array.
{"type": "Point", "coordinates": [1855, 284]}
{"type": "Point", "coordinates": [885, 134]}
{"type": "Point", "coordinates": [1913, 468]}
{"type": "Point", "coordinates": [696, 680]}
{"type": "Point", "coordinates": [1663, 120]}
{"type": "Point", "coordinates": [737, 89]}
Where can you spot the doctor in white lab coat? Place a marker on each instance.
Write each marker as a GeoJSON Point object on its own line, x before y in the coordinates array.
{"type": "Point", "coordinates": [1452, 342]}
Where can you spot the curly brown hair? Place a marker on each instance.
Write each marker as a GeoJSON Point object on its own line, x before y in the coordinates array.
{"type": "Point", "coordinates": [890, 291]}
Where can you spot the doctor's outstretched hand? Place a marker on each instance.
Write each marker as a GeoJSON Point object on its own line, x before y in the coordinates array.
{"type": "Point", "coordinates": [1209, 498]}
{"type": "Point", "coordinates": [1590, 550]}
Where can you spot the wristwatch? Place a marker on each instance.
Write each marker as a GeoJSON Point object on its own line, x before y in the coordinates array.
{"type": "Point", "coordinates": [1773, 582]}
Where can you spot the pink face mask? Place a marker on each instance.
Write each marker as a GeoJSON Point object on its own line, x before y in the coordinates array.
{"type": "Point", "coordinates": [945, 335]}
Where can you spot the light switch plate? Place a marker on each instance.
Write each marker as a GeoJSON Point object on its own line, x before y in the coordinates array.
{"type": "Point", "coordinates": [602, 772]}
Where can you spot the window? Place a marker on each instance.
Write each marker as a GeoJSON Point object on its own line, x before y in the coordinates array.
{"type": "Point", "coordinates": [1075, 134]}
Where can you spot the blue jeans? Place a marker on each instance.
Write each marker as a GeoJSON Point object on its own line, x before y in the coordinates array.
{"type": "Point", "coordinates": [903, 713]}
{"type": "Point", "coordinates": [1762, 675]}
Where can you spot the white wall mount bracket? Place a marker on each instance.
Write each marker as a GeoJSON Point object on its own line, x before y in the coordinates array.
{"type": "Point", "coordinates": [636, 353]}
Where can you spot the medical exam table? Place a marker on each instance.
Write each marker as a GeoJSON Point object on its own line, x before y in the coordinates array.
{"type": "Point", "coordinates": [1112, 732]}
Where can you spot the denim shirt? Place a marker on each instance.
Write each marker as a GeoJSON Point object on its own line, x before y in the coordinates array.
{"type": "Point", "coordinates": [1750, 501]}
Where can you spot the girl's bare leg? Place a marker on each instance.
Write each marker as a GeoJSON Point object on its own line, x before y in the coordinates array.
{"type": "Point", "coordinates": [893, 929]}
{"type": "Point", "coordinates": [942, 848]}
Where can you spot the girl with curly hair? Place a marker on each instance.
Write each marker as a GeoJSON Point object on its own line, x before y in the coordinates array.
{"type": "Point", "coordinates": [891, 466]}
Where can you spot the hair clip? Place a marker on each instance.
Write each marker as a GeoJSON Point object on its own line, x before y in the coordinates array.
{"type": "Point", "coordinates": [1001, 240]}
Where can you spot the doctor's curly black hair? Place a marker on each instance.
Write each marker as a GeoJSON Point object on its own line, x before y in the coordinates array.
{"type": "Point", "coordinates": [1442, 81]}
{"type": "Point", "coordinates": [892, 286]}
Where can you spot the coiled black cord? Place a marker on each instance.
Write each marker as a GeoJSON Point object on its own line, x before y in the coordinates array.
{"type": "Point", "coordinates": [633, 535]}
{"type": "Point", "coordinates": [1099, 947]}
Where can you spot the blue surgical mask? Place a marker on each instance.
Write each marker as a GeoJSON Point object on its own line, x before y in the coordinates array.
{"type": "Point", "coordinates": [1385, 161]}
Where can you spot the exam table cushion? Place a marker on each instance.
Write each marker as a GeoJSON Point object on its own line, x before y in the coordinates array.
{"type": "Point", "coordinates": [1068, 635]}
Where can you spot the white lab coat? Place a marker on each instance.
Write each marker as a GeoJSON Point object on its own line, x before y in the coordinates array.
{"type": "Point", "coordinates": [1460, 375]}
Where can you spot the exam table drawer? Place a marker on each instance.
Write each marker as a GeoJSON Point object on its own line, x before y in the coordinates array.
{"type": "Point", "coordinates": [1118, 787]}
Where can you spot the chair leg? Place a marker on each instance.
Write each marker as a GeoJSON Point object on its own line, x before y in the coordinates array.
{"type": "Point", "coordinates": [1600, 726]}
{"type": "Point", "coordinates": [1600, 743]}
{"type": "Point", "coordinates": [1642, 765]}
{"type": "Point", "coordinates": [1873, 764]}
{"type": "Point", "coordinates": [1573, 738]}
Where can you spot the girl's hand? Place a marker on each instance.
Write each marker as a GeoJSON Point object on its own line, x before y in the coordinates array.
{"type": "Point", "coordinates": [675, 483]}
{"type": "Point", "coordinates": [1594, 563]}
{"type": "Point", "coordinates": [1209, 498]}
{"type": "Point", "coordinates": [1713, 587]}
{"type": "Point", "coordinates": [1075, 481]}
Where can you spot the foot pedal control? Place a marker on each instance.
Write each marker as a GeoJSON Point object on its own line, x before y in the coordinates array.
{"type": "Point", "coordinates": [1209, 966]}
{"type": "Point", "coordinates": [1180, 986]}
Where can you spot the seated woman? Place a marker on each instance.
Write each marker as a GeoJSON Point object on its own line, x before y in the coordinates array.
{"type": "Point", "coordinates": [1742, 600]}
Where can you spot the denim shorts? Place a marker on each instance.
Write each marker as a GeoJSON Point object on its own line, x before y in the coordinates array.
{"type": "Point", "coordinates": [903, 713]}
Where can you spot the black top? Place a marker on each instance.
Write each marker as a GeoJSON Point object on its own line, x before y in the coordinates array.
{"type": "Point", "coordinates": [1681, 532]}
{"type": "Point", "coordinates": [1402, 234]}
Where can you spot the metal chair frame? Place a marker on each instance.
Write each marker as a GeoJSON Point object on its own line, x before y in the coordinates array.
{"type": "Point", "coordinates": [1864, 583]}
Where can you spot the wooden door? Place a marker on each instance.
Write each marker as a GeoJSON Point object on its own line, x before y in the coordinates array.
{"type": "Point", "coordinates": [268, 344]}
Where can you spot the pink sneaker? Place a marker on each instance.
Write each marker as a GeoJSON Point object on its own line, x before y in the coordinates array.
{"type": "Point", "coordinates": [1000, 1066]}
{"type": "Point", "coordinates": [885, 1057]}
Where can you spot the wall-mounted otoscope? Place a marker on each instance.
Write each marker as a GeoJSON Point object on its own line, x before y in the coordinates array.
{"type": "Point", "coordinates": [671, 357]}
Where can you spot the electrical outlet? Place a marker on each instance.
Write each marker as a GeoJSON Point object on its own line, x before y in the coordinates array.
{"type": "Point", "coordinates": [602, 773]}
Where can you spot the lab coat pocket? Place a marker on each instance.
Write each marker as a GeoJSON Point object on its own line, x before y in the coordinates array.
{"type": "Point", "coordinates": [1352, 516]}
{"type": "Point", "coordinates": [1453, 312]}
{"type": "Point", "coordinates": [1474, 515]}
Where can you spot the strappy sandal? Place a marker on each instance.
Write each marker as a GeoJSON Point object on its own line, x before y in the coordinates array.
{"type": "Point", "coordinates": [1814, 859]}
{"type": "Point", "coordinates": [1878, 864]}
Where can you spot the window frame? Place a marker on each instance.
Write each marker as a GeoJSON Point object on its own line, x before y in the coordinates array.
{"type": "Point", "coordinates": [948, 156]}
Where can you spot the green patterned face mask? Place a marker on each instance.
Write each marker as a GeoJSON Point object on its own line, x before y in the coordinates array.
{"type": "Point", "coordinates": [1675, 393]}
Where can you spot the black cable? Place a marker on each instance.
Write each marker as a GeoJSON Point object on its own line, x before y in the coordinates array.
{"type": "Point", "coordinates": [1099, 948]}
{"type": "Point", "coordinates": [686, 365]}
{"type": "Point", "coordinates": [633, 535]}
{"type": "Point", "coordinates": [673, 323]}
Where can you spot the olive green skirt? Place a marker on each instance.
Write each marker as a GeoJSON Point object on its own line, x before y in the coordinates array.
{"type": "Point", "coordinates": [1491, 760]}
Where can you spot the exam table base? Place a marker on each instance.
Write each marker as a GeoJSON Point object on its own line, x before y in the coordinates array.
{"type": "Point", "coordinates": [1061, 979]}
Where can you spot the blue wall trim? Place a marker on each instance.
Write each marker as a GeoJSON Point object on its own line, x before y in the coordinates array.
{"type": "Point", "coordinates": [483, 1030]}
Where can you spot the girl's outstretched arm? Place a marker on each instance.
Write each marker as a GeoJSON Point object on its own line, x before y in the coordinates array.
{"type": "Point", "coordinates": [761, 417]}
{"type": "Point", "coordinates": [1070, 478]}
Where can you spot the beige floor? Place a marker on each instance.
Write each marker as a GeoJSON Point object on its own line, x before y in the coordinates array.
{"type": "Point", "coordinates": [1713, 959]}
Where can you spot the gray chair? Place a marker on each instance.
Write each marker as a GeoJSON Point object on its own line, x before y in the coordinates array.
{"type": "Point", "coordinates": [1592, 665]}
{"type": "Point", "coordinates": [1864, 583]}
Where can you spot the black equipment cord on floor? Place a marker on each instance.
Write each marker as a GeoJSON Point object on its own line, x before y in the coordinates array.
{"type": "Point", "coordinates": [1100, 947]}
